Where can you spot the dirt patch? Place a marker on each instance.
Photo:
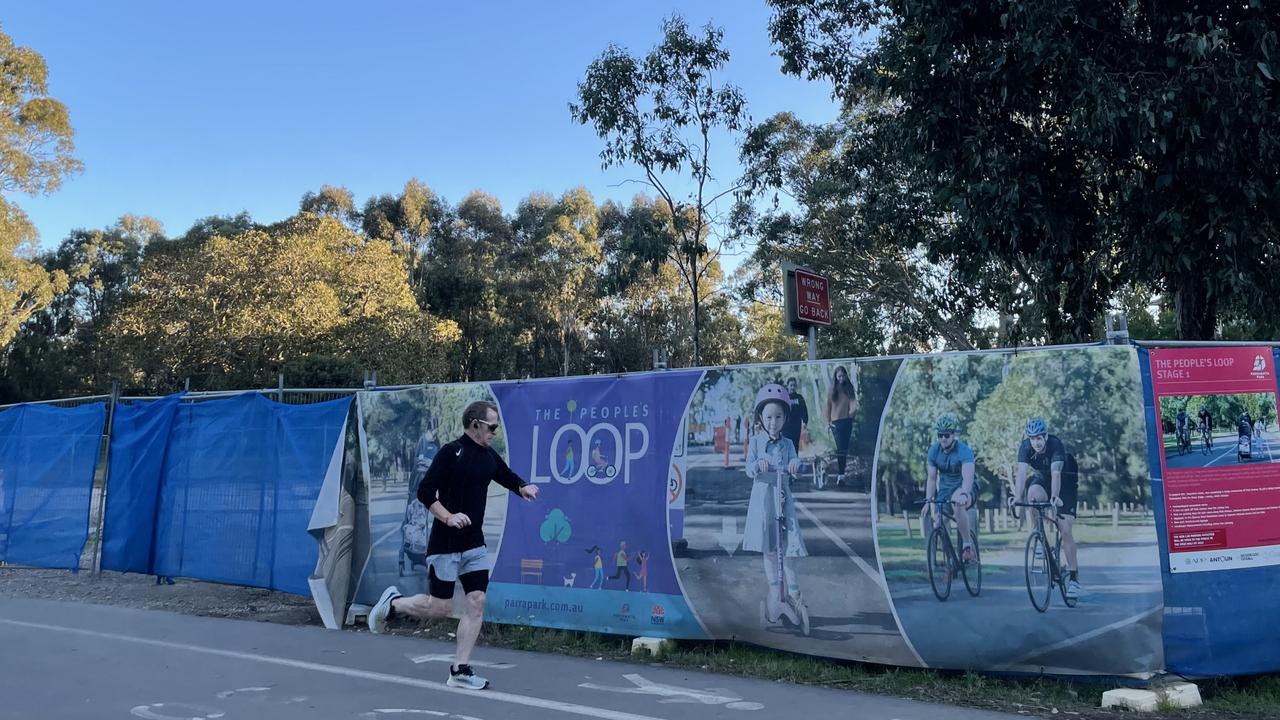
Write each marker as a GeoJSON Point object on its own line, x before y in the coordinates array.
{"type": "Point", "coordinates": [190, 597]}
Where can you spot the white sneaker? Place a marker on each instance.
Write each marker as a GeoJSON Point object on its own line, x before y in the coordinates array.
{"type": "Point", "coordinates": [463, 677]}
{"type": "Point", "coordinates": [378, 615]}
{"type": "Point", "coordinates": [1073, 589]}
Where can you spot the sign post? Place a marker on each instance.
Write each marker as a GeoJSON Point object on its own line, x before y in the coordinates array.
{"type": "Point", "coordinates": [807, 303]}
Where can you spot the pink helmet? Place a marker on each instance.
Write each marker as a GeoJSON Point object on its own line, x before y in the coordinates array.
{"type": "Point", "coordinates": [772, 391]}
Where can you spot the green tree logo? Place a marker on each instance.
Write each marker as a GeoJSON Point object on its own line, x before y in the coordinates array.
{"type": "Point", "coordinates": [556, 527]}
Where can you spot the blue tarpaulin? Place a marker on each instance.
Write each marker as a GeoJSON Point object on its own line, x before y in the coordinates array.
{"type": "Point", "coordinates": [47, 460]}
{"type": "Point", "coordinates": [239, 480]}
{"type": "Point", "coordinates": [139, 438]}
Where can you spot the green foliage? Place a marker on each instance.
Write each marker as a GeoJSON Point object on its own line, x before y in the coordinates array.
{"type": "Point", "coordinates": [1064, 145]}
{"type": "Point", "coordinates": [660, 113]}
{"type": "Point", "coordinates": [1089, 397]}
{"type": "Point", "coordinates": [229, 311]}
{"type": "Point", "coordinates": [35, 157]}
{"type": "Point", "coordinates": [25, 285]}
{"type": "Point", "coordinates": [35, 129]}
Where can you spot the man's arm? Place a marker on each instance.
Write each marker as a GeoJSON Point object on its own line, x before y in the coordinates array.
{"type": "Point", "coordinates": [505, 476]}
{"type": "Point", "coordinates": [440, 469]}
{"type": "Point", "coordinates": [966, 478]}
{"type": "Point", "coordinates": [429, 491]}
{"type": "Point", "coordinates": [1019, 481]}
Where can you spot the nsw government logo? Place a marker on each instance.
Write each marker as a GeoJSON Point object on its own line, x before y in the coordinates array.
{"type": "Point", "coordinates": [658, 615]}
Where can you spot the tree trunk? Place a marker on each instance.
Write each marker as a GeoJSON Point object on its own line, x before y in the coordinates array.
{"type": "Point", "coordinates": [697, 338]}
{"type": "Point", "coordinates": [1195, 310]}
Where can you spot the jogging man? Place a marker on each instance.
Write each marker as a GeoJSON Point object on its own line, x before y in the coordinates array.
{"type": "Point", "coordinates": [455, 491]}
{"type": "Point", "coordinates": [949, 466]}
{"type": "Point", "coordinates": [1047, 456]}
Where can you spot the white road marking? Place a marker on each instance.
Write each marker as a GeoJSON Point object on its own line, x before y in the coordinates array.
{"type": "Point", "coordinates": [448, 657]}
{"type": "Point", "coordinates": [148, 712]}
{"type": "Point", "coordinates": [676, 694]}
{"type": "Point", "coordinates": [862, 564]}
{"type": "Point", "coordinates": [228, 693]}
{"type": "Point", "coordinates": [1080, 638]}
{"type": "Point", "coordinates": [488, 695]}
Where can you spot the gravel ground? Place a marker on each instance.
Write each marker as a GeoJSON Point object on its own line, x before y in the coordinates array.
{"type": "Point", "coordinates": [190, 597]}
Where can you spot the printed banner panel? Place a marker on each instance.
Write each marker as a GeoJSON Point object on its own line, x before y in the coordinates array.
{"type": "Point", "coordinates": [1011, 607]}
{"type": "Point", "coordinates": [1217, 416]}
{"type": "Point", "coordinates": [781, 505]}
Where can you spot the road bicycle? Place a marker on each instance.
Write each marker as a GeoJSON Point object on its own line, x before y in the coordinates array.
{"type": "Point", "coordinates": [1041, 562]}
{"type": "Point", "coordinates": [1184, 441]}
{"type": "Point", "coordinates": [943, 555]}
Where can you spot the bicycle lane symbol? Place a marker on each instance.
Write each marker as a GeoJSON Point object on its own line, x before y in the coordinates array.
{"type": "Point", "coordinates": [675, 694]}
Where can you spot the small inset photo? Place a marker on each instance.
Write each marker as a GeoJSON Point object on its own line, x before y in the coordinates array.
{"type": "Point", "coordinates": [1200, 431]}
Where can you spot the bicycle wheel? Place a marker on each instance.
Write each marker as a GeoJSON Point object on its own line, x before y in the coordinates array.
{"type": "Point", "coordinates": [972, 571]}
{"type": "Point", "coordinates": [1062, 574]}
{"type": "Point", "coordinates": [939, 560]}
{"type": "Point", "coordinates": [1039, 576]}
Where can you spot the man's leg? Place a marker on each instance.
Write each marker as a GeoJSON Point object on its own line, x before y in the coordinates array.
{"type": "Point", "coordinates": [469, 626]}
{"type": "Point", "coordinates": [422, 606]}
{"type": "Point", "coordinates": [1065, 524]}
{"type": "Point", "coordinates": [960, 508]}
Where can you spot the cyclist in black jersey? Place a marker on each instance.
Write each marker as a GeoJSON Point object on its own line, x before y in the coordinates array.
{"type": "Point", "coordinates": [1054, 478]}
{"type": "Point", "coordinates": [1206, 425]}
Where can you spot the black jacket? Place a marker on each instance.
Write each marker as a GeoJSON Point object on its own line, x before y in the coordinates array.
{"type": "Point", "coordinates": [459, 478]}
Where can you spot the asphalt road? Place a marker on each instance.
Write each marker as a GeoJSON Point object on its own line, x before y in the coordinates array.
{"type": "Point", "coordinates": [1115, 626]}
{"type": "Point", "coordinates": [1266, 449]}
{"type": "Point", "coordinates": [71, 661]}
{"type": "Point", "coordinates": [849, 609]}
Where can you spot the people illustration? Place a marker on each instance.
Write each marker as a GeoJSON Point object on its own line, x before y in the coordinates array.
{"type": "Point", "coordinates": [569, 464]}
{"type": "Point", "coordinates": [772, 527]}
{"type": "Point", "coordinates": [642, 571]}
{"type": "Point", "coordinates": [622, 567]}
{"type": "Point", "coordinates": [598, 564]}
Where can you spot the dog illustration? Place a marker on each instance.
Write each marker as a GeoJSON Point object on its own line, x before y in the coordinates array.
{"type": "Point", "coordinates": [568, 579]}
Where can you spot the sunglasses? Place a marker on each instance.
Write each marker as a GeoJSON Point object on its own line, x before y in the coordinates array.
{"type": "Point", "coordinates": [945, 434]}
{"type": "Point", "coordinates": [493, 427]}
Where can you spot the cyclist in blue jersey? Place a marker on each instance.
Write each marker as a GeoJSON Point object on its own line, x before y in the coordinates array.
{"type": "Point", "coordinates": [949, 467]}
{"type": "Point", "coordinates": [1054, 479]}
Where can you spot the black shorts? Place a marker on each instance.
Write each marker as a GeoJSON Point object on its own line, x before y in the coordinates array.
{"type": "Point", "coordinates": [1070, 486]}
{"type": "Point", "coordinates": [477, 581]}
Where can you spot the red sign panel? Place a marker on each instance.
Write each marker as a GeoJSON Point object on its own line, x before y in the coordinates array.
{"type": "Point", "coordinates": [813, 301]}
{"type": "Point", "coordinates": [1220, 456]}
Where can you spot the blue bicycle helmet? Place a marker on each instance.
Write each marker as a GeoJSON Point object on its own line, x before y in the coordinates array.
{"type": "Point", "coordinates": [1036, 426]}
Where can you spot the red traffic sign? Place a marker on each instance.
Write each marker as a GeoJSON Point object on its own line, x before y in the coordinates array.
{"type": "Point", "coordinates": [813, 299]}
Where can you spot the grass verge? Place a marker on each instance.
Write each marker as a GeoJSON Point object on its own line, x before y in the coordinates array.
{"type": "Point", "coordinates": [1229, 698]}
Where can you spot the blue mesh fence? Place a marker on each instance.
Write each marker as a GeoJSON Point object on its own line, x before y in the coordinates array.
{"type": "Point", "coordinates": [47, 460]}
{"type": "Point", "coordinates": [238, 483]}
{"type": "Point", "coordinates": [139, 438]}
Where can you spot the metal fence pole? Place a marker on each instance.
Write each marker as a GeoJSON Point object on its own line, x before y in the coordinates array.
{"type": "Point", "coordinates": [100, 521]}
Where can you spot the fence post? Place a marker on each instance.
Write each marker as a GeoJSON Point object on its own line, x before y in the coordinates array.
{"type": "Point", "coordinates": [280, 387]}
{"type": "Point", "coordinates": [1115, 515]}
{"type": "Point", "coordinates": [906, 518]}
{"type": "Point", "coordinates": [100, 521]}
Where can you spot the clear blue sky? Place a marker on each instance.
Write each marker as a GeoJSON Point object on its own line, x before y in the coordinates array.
{"type": "Point", "coordinates": [184, 110]}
